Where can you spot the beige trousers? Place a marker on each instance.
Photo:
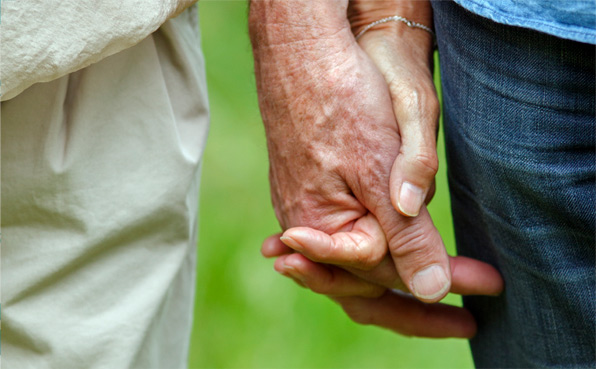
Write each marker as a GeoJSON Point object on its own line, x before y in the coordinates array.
{"type": "Point", "coordinates": [100, 174]}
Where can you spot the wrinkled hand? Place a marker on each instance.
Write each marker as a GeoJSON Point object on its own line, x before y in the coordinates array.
{"type": "Point", "coordinates": [367, 296]}
{"type": "Point", "coordinates": [404, 55]}
{"type": "Point", "coordinates": [338, 162]}
{"type": "Point", "coordinates": [333, 139]}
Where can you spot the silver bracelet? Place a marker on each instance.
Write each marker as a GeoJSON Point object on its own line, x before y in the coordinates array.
{"type": "Point", "coordinates": [395, 18]}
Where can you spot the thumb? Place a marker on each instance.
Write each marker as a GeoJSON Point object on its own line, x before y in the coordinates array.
{"type": "Point", "coordinates": [407, 70]}
{"type": "Point", "coordinates": [418, 253]}
{"type": "Point", "coordinates": [415, 167]}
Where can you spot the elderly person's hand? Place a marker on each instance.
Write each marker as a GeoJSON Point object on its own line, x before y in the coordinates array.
{"type": "Point", "coordinates": [404, 56]}
{"type": "Point", "coordinates": [370, 297]}
{"type": "Point", "coordinates": [367, 291]}
{"type": "Point", "coordinates": [333, 137]}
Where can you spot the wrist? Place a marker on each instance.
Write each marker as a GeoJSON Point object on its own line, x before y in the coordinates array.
{"type": "Point", "coordinates": [384, 41]}
{"type": "Point", "coordinates": [364, 12]}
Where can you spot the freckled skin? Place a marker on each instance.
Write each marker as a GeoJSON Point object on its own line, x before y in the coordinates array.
{"type": "Point", "coordinates": [340, 117]}
{"type": "Point", "coordinates": [330, 122]}
{"type": "Point", "coordinates": [320, 137]}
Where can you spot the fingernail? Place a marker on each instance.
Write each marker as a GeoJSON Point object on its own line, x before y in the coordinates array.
{"type": "Point", "coordinates": [410, 199]}
{"type": "Point", "coordinates": [430, 283]}
{"type": "Point", "coordinates": [290, 242]}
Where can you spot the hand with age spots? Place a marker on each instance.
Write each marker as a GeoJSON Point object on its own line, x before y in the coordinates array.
{"type": "Point", "coordinates": [377, 296]}
{"type": "Point", "coordinates": [345, 131]}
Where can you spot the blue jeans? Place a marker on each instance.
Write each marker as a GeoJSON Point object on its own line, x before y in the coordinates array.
{"type": "Point", "coordinates": [520, 128]}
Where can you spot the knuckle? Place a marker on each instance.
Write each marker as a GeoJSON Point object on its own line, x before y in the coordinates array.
{"type": "Point", "coordinates": [421, 96]}
{"type": "Point", "coordinates": [365, 256]}
{"type": "Point", "coordinates": [377, 257]}
{"type": "Point", "coordinates": [428, 161]}
{"type": "Point", "coordinates": [372, 259]}
{"type": "Point", "coordinates": [411, 241]}
{"type": "Point", "coordinates": [362, 251]}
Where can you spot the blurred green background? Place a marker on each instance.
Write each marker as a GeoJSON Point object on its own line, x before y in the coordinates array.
{"type": "Point", "coordinates": [246, 315]}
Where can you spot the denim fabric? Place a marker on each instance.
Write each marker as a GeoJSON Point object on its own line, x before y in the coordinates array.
{"type": "Point", "coordinates": [520, 129]}
{"type": "Point", "coordinates": [571, 19]}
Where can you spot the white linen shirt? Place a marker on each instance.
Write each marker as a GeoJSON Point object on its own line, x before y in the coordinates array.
{"type": "Point", "coordinates": [104, 119]}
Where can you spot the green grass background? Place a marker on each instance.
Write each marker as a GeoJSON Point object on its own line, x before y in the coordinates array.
{"type": "Point", "coordinates": [246, 315]}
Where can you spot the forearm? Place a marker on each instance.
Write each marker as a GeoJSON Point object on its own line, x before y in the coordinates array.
{"type": "Point", "coordinates": [338, 132]}
{"type": "Point", "coordinates": [298, 47]}
{"type": "Point", "coordinates": [275, 22]}
{"type": "Point", "coordinates": [294, 34]}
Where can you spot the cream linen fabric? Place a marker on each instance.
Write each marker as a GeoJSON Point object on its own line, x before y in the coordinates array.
{"type": "Point", "coordinates": [100, 171]}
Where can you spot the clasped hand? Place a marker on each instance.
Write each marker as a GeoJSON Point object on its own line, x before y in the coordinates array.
{"type": "Point", "coordinates": [351, 132]}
